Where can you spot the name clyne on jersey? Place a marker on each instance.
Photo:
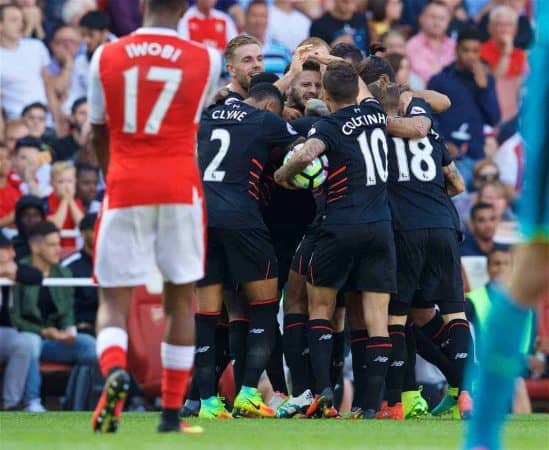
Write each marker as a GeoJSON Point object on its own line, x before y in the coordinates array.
{"type": "Point", "coordinates": [165, 51]}
{"type": "Point", "coordinates": [222, 114]}
{"type": "Point", "coordinates": [363, 121]}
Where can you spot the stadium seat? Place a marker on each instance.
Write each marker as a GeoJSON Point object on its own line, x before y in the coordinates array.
{"type": "Point", "coordinates": [538, 390]}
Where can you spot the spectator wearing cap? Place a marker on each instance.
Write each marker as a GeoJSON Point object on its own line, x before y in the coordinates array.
{"type": "Point", "coordinates": [275, 56]}
{"type": "Point", "coordinates": [15, 347]}
{"type": "Point", "coordinates": [29, 210]}
{"type": "Point", "coordinates": [288, 25]}
{"type": "Point", "coordinates": [8, 194]}
{"type": "Point", "coordinates": [472, 92]}
{"type": "Point", "coordinates": [31, 167]}
{"type": "Point", "coordinates": [431, 49]}
{"type": "Point", "coordinates": [87, 187]}
{"type": "Point", "coordinates": [80, 264]}
{"type": "Point", "coordinates": [67, 148]}
{"type": "Point", "coordinates": [507, 63]}
{"type": "Point", "coordinates": [46, 314]}
{"type": "Point", "coordinates": [23, 72]}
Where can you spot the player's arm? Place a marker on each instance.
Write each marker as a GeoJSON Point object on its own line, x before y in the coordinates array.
{"type": "Point", "coordinates": [99, 136]}
{"type": "Point", "coordinates": [408, 127]}
{"type": "Point", "coordinates": [439, 102]}
{"type": "Point", "coordinates": [453, 180]}
{"type": "Point", "coordinates": [312, 148]}
{"type": "Point", "coordinates": [300, 56]}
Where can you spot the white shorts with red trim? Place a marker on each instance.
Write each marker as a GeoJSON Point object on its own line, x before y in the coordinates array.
{"type": "Point", "coordinates": [130, 240]}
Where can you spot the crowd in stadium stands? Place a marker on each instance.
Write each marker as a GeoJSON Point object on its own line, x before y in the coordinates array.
{"type": "Point", "coordinates": [50, 181]}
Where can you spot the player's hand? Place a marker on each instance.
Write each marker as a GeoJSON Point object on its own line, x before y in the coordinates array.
{"type": "Point", "coordinates": [301, 55]}
{"type": "Point", "coordinates": [51, 333]}
{"type": "Point", "coordinates": [480, 74]}
{"type": "Point", "coordinates": [281, 181]}
{"type": "Point", "coordinates": [289, 113]}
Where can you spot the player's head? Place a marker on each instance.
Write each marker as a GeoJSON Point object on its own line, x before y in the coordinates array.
{"type": "Point", "coordinates": [499, 263]}
{"type": "Point", "coordinates": [243, 60]}
{"type": "Point", "coordinates": [371, 68]}
{"type": "Point", "coordinates": [174, 8]}
{"type": "Point", "coordinates": [86, 227]}
{"type": "Point", "coordinates": [386, 93]}
{"type": "Point", "coordinates": [468, 49]}
{"type": "Point", "coordinates": [349, 52]}
{"type": "Point", "coordinates": [305, 86]}
{"type": "Point", "coordinates": [483, 221]}
{"type": "Point", "coordinates": [11, 22]}
{"type": "Point", "coordinates": [34, 116]}
{"type": "Point", "coordinates": [340, 84]}
{"type": "Point", "coordinates": [87, 177]}
{"type": "Point", "coordinates": [45, 243]}
{"type": "Point", "coordinates": [317, 45]}
{"type": "Point", "coordinates": [266, 96]}
{"type": "Point", "coordinates": [63, 178]}
{"type": "Point", "coordinates": [94, 27]}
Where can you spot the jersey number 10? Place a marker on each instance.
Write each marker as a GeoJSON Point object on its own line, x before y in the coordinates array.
{"type": "Point", "coordinates": [171, 79]}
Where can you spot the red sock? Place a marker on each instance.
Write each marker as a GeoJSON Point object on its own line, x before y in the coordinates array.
{"type": "Point", "coordinates": [112, 345]}
{"type": "Point", "coordinates": [177, 361]}
{"type": "Point", "coordinates": [111, 357]}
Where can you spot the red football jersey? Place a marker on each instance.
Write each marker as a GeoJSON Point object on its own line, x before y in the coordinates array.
{"type": "Point", "coordinates": [214, 30]}
{"type": "Point", "coordinates": [149, 87]}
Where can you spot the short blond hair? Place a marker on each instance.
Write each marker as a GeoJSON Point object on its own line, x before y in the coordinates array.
{"type": "Point", "coordinates": [61, 166]}
{"type": "Point", "coordinates": [238, 42]}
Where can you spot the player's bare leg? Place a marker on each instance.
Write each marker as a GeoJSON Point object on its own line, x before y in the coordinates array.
{"type": "Point", "coordinates": [378, 348]}
{"type": "Point", "coordinates": [112, 347]}
{"type": "Point", "coordinates": [321, 310]}
{"type": "Point", "coordinates": [263, 307]}
{"type": "Point", "coordinates": [177, 353]}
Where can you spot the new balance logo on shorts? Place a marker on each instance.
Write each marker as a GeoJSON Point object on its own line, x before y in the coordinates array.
{"type": "Point", "coordinates": [325, 337]}
{"type": "Point", "coordinates": [257, 330]}
{"type": "Point", "coordinates": [461, 355]}
{"type": "Point", "coordinates": [381, 359]}
{"type": "Point", "coordinates": [397, 363]}
{"type": "Point", "coordinates": [202, 349]}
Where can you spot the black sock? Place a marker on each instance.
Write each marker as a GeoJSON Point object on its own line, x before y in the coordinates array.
{"type": "Point", "coordinates": [358, 352]}
{"type": "Point", "coordinates": [435, 329]}
{"type": "Point", "coordinates": [275, 369]}
{"type": "Point", "coordinates": [238, 332]}
{"type": "Point", "coordinates": [170, 416]}
{"type": "Point", "coordinates": [261, 339]}
{"type": "Point", "coordinates": [410, 383]}
{"type": "Point", "coordinates": [432, 353]}
{"type": "Point", "coordinates": [397, 366]}
{"type": "Point", "coordinates": [378, 354]}
{"type": "Point", "coordinates": [320, 348]}
{"type": "Point", "coordinates": [459, 340]}
{"type": "Point", "coordinates": [296, 351]}
{"type": "Point", "coordinates": [336, 371]}
{"type": "Point", "coordinates": [222, 350]}
{"type": "Point", "coordinates": [194, 392]}
{"type": "Point", "coordinates": [204, 357]}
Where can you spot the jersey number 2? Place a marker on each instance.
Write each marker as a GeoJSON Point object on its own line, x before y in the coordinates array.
{"type": "Point", "coordinates": [211, 173]}
{"type": "Point", "coordinates": [171, 79]}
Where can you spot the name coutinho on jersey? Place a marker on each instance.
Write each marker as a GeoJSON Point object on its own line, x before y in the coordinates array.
{"type": "Point", "coordinates": [164, 51]}
{"type": "Point", "coordinates": [363, 121]}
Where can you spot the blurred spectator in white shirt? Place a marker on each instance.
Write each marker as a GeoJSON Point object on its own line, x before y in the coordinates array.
{"type": "Point", "coordinates": [287, 25]}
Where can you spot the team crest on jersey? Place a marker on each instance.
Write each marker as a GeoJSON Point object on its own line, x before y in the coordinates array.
{"type": "Point", "coordinates": [311, 131]}
{"type": "Point", "coordinates": [290, 129]}
{"type": "Point", "coordinates": [417, 110]}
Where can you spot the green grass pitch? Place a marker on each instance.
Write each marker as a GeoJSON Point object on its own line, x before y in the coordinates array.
{"type": "Point", "coordinates": [70, 431]}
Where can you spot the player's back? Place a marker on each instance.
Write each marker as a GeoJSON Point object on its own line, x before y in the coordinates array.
{"type": "Point", "coordinates": [356, 146]}
{"type": "Point", "coordinates": [234, 145]}
{"type": "Point", "coordinates": [154, 86]}
{"type": "Point", "coordinates": [417, 192]}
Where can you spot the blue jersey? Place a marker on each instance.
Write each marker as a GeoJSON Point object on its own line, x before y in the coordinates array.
{"type": "Point", "coordinates": [234, 145]}
{"type": "Point", "coordinates": [356, 147]}
{"type": "Point", "coordinates": [417, 192]}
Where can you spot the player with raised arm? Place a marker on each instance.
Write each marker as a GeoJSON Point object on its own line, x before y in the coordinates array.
{"type": "Point", "coordinates": [146, 93]}
{"type": "Point", "coordinates": [355, 247]}
{"type": "Point", "coordinates": [235, 142]}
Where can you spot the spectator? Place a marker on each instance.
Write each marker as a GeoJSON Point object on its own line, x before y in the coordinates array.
{"type": "Point", "coordinates": [342, 24]}
{"type": "Point", "coordinates": [510, 155]}
{"type": "Point", "coordinates": [15, 130]}
{"type": "Point", "coordinates": [62, 207]}
{"type": "Point", "coordinates": [474, 103]}
{"type": "Point", "coordinates": [305, 86]}
{"type": "Point", "coordinates": [32, 17]}
{"type": "Point", "coordinates": [287, 25]}
{"type": "Point", "coordinates": [24, 61]}
{"type": "Point", "coordinates": [94, 27]}
{"type": "Point", "coordinates": [8, 194]}
{"type": "Point", "coordinates": [74, 10]}
{"type": "Point", "coordinates": [31, 167]}
{"type": "Point", "coordinates": [35, 116]}
{"type": "Point", "coordinates": [410, 13]}
{"type": "Point", "coordinates": [459, 21]}
{"type": "Point", "coordinates": [385, 15]}
{"type": "Point", "coordinates": [125, 16]}
{"type": "Point", "coordinates": [29, 211]}
{"type": "Point", "coordinates": [394, 41]}
{"type": "Point", "coordinates": [494, 193]}
{"type": "Point", "coordinates": [403, 71]}
{"type": "Point", "coordinates": [87, 180]}
{"type": "Point", "coordinates": [485, 171]}
{"type": "Point", "coordinates": [67, 148]}
{"type": "Point", "coordinates": [81, 266]}
{"type": "Point", "coordinates": [480, 241]}
{"type": "Point", "coordinates": [68, 80]}
{"type": "Point", "coordinates": [275, 56]}
{"type": "Point", "coordinates": [46, 314]}
{"type": "Point", "coordinates": [349, 52]}
{"type": "Point", "coordinates": [207, 25]}
{"type": "Point", "coordinates": [525, 33]}
{"type": "Point", "coordinates": [431, 49]}
{"type": "Point", "coordinates": [15, 347]}
{"type": "Point", "coordinates": [507, 63]}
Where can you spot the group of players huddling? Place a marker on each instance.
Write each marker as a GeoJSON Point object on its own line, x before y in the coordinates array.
{"type": "Point", "coordinates": [376, 243]}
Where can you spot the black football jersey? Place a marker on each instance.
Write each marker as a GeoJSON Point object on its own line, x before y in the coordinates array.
{"type": "Point", "coordinates": [234, 144]}
{"type": "Point", "coordinates": [356, 147]}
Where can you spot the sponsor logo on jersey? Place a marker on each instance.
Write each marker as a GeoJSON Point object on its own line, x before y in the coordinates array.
{"type": "Point", "coordinates": [381, 359]}
{"type": "Point", "coordinates": [461, 355]}
{"type": "Point", "coordinates": [417, 110]}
